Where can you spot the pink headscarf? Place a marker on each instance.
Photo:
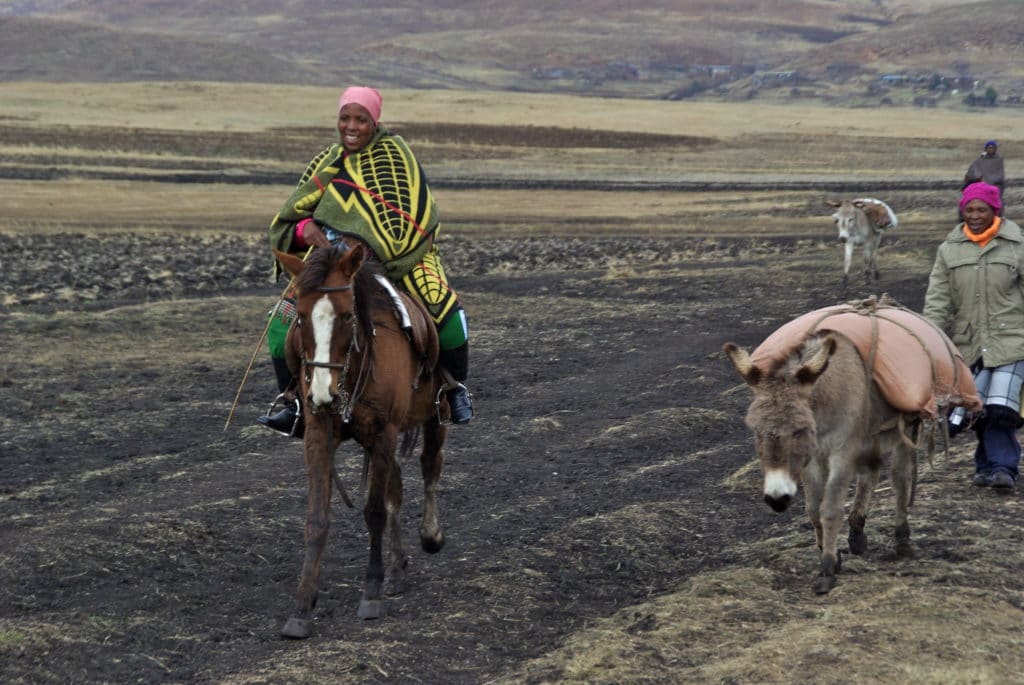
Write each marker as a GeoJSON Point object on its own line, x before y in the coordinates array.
{"type": "Point", "coordinates": [368, 98]}
{"type": "Point", "coordinates": [988, 194]}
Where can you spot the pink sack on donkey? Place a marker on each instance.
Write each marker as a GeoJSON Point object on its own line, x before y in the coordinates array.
{"type": "Point", "coordinates": [887, 336]}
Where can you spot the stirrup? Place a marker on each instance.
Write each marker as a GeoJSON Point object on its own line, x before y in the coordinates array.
{"type": "Point", "coordinates": [296, 408]}
{"type": "Point", "coordinates": [448, 390]}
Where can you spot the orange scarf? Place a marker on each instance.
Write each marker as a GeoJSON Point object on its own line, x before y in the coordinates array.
{"type": "Point", "coordinates": [982, 238]}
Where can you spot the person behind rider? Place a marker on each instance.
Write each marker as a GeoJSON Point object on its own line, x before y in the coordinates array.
{"type": "Point", "coordinates": [369, 186]}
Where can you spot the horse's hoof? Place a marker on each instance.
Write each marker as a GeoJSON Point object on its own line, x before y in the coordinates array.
{"type": "Point", "coordinates": [824, 584]}
{"type": "Point", "coordinates": [904, 550]}
{"type": "Point", "coordinates": [372, 608]}
{"type": "Point", "coordinates": [432, 545]}
{"type": "Point", "coordinates": [297, 628]}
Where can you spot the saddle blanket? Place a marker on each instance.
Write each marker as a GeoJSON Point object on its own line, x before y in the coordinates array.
{"type": "Point", "coordinates": [916, 366]}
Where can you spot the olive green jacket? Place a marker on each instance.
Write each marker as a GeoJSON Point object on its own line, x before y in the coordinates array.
{"type": "Point", "coordinates": [975, 294]}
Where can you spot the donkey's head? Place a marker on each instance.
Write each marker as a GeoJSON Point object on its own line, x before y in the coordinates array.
{"type": "Point", "coordinates": [845, 218]}
{"type": "Point", "coordinates": [781, 416]}
{"type": "Point", "coordinates": [326, 325]}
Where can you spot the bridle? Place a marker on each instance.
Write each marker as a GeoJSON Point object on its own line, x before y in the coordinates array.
{"type": "Point", "coordinates": [347, 399]}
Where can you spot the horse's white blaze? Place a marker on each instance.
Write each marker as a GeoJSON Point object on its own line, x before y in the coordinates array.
{"type": "Point", "coordinates": [323, 327]}
{"type": "Point", "coordinates": [778, 484]}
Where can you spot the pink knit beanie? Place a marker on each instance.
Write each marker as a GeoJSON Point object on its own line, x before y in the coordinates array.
{"type": "Point", "coordinates": [369, 98]}
{"type": "Point", "coordinates": [981, 191]}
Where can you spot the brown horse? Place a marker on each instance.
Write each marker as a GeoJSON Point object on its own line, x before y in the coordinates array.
{"type": "Point", "coordinates": [366, 373]}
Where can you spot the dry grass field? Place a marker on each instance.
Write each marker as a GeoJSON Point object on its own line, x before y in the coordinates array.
{"type": "Point", "coordinates": [603, 513]}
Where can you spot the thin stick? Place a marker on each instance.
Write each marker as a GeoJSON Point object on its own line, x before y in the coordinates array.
{"type": "Point", "coordinates": [259, 344]}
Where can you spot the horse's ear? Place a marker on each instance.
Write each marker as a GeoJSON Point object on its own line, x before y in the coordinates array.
{"type": "Point", "coordinates": [741, 360]}
{"type": "Point", "coordinates": [353, 259]}
{"type": "Point", "coordinates": [816, 365]}
{"type": "Point", "coordinates": [289, 262]}
{"type": "Point", "coordinates": [833, 203]}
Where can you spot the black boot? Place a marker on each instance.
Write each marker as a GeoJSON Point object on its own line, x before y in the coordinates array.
{"type": "Point", "coordinates": [287, 420]}
{"type": "Point", "coordinates": [456, 363]}
{"type": "Point", "coordinates": [461, 404]}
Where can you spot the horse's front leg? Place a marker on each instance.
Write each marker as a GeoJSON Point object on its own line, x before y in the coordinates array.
{"type": "Point", "coordinates": [431, 461]}
{"type": "Point", "coordinates": [375, 513]}
{"type": "Point", "coordinates": [318, 455]}
{"type": "Point", "coordinates": [399, 557]}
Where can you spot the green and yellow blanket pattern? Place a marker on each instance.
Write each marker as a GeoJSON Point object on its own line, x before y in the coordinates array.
{"type": "Point", "coordinates": [378, 194]}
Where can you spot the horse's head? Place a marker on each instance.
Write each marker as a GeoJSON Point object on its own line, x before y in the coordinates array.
{"type": "Point", "coordinates": [326, 324]}
{"type": "Point", "coordinates": [781, 416]}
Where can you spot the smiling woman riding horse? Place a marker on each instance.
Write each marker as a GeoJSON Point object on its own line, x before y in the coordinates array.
{"type": "Point", "coordinates": [366, 360]}
{"type": "Point", "coordinates": [369, 186]}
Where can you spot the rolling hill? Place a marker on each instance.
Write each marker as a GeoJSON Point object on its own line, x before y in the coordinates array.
{"type": "Point", "coordinates": [648, 48]}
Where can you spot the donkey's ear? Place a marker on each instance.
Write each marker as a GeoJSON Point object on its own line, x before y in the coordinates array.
{"type": "Point", "coordinates": [816, 365]}
{"type": "Point", "coordinates": [741, 360]}
{"type": "Point", "coordinates": [353, 259]}
{"type": "Point", "coordinates": [289, 262]}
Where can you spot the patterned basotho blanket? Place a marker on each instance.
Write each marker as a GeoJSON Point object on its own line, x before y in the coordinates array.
{"type": "Point", "coordinates": [915, 365]}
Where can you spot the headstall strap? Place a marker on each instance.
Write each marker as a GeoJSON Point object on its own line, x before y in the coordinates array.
{"type": "Point", "coordinates": [347, 399]}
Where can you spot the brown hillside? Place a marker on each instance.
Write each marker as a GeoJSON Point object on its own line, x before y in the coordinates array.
{"type": "Point", "coordinates": [647, 48]}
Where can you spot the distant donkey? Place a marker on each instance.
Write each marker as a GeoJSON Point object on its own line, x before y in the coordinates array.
{"type": "Point", "coordinates": [862, 222]}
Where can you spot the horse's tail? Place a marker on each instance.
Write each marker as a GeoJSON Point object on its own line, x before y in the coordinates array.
{"type": "Point", "coordinates": [409, 439]}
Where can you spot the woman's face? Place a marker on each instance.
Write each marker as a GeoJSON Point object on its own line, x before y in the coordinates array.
{"type": "Point", "coordinates": [355, 126]}
{"type": "Point", "coordinates": [978, 215]}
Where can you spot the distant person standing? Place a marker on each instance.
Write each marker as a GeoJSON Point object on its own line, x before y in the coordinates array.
{"type": "Point", "coordinates": [988, 168]}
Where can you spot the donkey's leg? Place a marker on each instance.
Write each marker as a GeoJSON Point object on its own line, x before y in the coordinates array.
{"type": "Point", "coordinates": [872, 255]}
{"type": "Point", "coordinates": [847, 261]}
{"type": "Point", "coordinates": [814, 485]}
{"type": "Point", "coordinates": [832, 501]}
{"type": "Point", "coordinates": [399, 557]}
{"type": "Point", "coordinates": [382, 459]}
{"type": "Point", "coordinates": [431, 461]}
{"type": "Point", "coordinates": [867, 481]}
{"type": "Point", "coordinates": [318, 471]}
{"type": "Point", "coordinates": [904, 465]}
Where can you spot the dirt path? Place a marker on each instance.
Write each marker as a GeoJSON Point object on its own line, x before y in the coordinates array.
{"type": "Point", "coordinates": [142, 542]}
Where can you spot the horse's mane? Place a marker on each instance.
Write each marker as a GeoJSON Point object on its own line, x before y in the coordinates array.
{"type": "Point", "coordinates": [369, 294]}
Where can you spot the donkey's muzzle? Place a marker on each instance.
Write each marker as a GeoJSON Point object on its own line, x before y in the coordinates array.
{"type": "Point", "coordinates": [779, 504]}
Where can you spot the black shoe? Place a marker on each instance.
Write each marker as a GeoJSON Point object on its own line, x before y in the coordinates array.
{"type": "Point", "coordinates": [1001, 480]}
{"type": "Point", "coordinates": [982, 479]}
{"type": "Point", "coordinates": [461, 404]}
{"type": "Point", "coordinates": [287, 421]}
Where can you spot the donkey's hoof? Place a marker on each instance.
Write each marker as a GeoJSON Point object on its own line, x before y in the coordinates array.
{"type": "Point", "coordinates": [858, 543]}
{"type": "Point", "coordinates": [297, 628]}
{"type": "Point", "coordinates": [824, 584]}
{"type": "Point", "coordinates": [372, 608]}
